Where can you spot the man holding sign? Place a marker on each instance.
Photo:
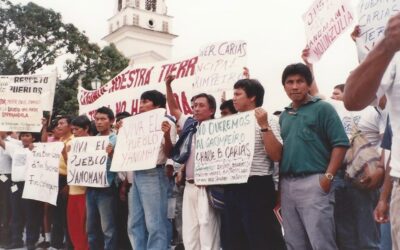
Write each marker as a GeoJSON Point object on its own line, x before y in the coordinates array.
{"type": "Point", "coordinates": [101, 202]}
{"type": "Point", "coordinates": [249, 206]}
{"type": "Point", "coordinates": [200, 220]}
{"type": "Point", "coordinates": [148, 223]}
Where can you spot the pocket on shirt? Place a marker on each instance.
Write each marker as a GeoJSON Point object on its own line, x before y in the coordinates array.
{"type": "Point", "coordinates": [307, 130]}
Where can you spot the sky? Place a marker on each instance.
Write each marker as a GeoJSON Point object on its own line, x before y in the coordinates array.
{"type": "Point", "coordinates": [273, 29]}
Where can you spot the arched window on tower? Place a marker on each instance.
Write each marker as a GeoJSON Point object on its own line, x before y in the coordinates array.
{"type": "Point", "coordinates": [119, 5]}
{"type": "Point", "coordinates": [151, 5]}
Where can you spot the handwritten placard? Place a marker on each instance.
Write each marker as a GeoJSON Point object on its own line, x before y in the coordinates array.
{"type": "Point", "coordinates": [20, 112]}
{"type": "Point", "coordinates": [372, 18]}
{"type": "Point", "coordinates": [42, 85]}
{"type": "Point", "coordinates": [41, 182]}
{"type": "Point", "coordinates": [324, 21]}
{"type": "Point", "coordinates": [138, 142]}
{"type": "Point", "coordinates": [87, 162]}
{"type": "Point", "coordinates": [224, 149]}
{"type": "Point", "coordinates": [220, 65]}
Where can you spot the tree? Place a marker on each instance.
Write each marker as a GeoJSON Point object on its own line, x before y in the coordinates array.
{"type": "Point", "coordinates": [32, 36]}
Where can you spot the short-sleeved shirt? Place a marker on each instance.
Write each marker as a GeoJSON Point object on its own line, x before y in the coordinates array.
{"type": "Point", "coordinates": [309, 135]}
{"type": "Point", "coordinates": [5, 158]}
{"type": "Point", "coordinates": [390, 86]}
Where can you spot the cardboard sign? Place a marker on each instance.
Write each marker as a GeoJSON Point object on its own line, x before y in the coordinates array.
{"type": "Point", "coordinates": [139, 141]}
{"type": "Point", "coordinates": [41, 181]}
{"type": "Point", "coordinates": [324, 21]}
{"type": "Point", "coordinates": [225, 149]}
{"type": "Point", "coordinates": [87, 162]}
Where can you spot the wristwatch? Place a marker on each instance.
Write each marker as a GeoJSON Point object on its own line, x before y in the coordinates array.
{"type": "Point", "coordinates": [329, 176]}
{"type": "Point", "coordinates": [266, 129]}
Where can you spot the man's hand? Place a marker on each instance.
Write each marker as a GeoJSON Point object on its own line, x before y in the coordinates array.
{"type": "Point", "coordinates": [166, 128]}
{"type": "Point", "coordinates": [123, 190]}
{"type": "Point", "coordinates": [45, 122]}
{"type": "Point", "coordinates": [325, 183]}
{"type": "Point", "coordinates": [392, 34]}
{"type": "Point", "coordinates": [169, 171]}
{"type": "Point", "coordinates": [304, 55]}
{"type": "Point", "coordinates": [118, 124]}
{"type": "Point", "coordinates": [261, 117]}
{"type": "Point", "coordinates": [381, 212]}
{"type": "Point", "coordinates": [109, 150]}
{"type": "Point", "coordinates": [169, 79]}
{"type": "Point", "coordinates": [356, 33]}
{"type": "Point", "coordinates": [246, 73]}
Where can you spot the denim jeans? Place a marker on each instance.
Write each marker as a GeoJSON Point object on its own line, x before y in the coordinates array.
{"type": "Point", "coordinates": [101, 218]}
{"type": "Point", "coordinates": [147, 225]}
{"type": "Point", "coordinates": [355, 225]}
{"type": "Point", "coordinates": [386, 238]}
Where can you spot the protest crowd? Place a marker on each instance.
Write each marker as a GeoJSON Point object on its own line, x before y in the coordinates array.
{"type": "Point", "coordinates": [318, 174]}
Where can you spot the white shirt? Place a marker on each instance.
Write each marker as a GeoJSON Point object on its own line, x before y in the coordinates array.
{"type": "Point", "coordinates": [5, 158]}
{"type": "Point", "coordinates": [390, 86]}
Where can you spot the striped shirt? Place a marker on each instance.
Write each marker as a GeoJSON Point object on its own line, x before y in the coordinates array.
{"type": "Point", "coordinates": [261, 164]}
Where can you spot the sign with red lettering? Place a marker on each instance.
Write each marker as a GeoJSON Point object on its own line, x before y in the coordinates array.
{"type": "Point", "coordinates": [42, 85]}
{"type": "Point", "coordinates": [372, 18]}
{"type": "Point", "coordinates": [324, 21]}
{"type": "Point", "coordinates": [123, 92]}
{"type": "Point", "coordinates": [139, 142]}
{"type": "Point", "coordinates": [20, 112]}
{"type": "Point", "coordinates": [220, 65]}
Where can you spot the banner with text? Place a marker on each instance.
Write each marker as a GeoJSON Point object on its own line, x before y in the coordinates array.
{"type": "Point", "coordinates": [372, 18]}
{"type": "Point", "coordinates": [87, 162]}
{"type": "Point", "coordinates": [123, 92]}
{"type": "Point", "coordinates": [20, 112]}
{"type": "Point", "coordinates": [220, 65]}
{"type": "Point", "coordinates": [224, 149]}
{"type": "Point", "coordinates": [41, 182]}
{"type": "Point", "coordinates": [324, 21]}
{"type": "Point", "coordinates": [43, 85]}
{"type": "Point", "coordinates": [138, 142]}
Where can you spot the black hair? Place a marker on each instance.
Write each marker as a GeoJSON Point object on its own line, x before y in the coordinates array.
{"type": "Point", "coordinates": [81, 121]}
{"type": "Point", "coordinates": [154, 96]}
{"type": "Point", "coordinates": [340, 87]}
{"type": "Point", "coordinates": [92, 129]}
{"type": "Point", "coordinates": [36, 136]}
{"type": "Point", "coordinates": [68, 118]}
{"type": "Point", "coordinates": [297, 69]}
{"type": "Point", "coordinates": [228, 104]}
{"type": "Point", "coordinates": [106, 111]}
{"type": "Point", "coordinates": [252, 87]}
{"type": "Point", "coordinates": [210, 100]}
{"type": "Point", "coordinates": [122, 115]}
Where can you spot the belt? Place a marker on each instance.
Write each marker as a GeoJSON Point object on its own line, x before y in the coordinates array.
{"type": "Point", "coordinates": [160, 165]}
{"type": "Point", "coordinates": [297, 175]}
{"type": "Point", "coordinates": [190, 181]}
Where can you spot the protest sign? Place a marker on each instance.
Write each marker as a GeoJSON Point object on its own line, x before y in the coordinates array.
{"type": "Point", "coordinates": [87, 162]}
{"type": "Point", "coordinates": [372, 18]}
{"type": "Point", "coordinates": [42, 85]}
{"type": "Point", "coordinates": [41, 182]}
{"type": "Point", "coordinates": [324, 21]}
{"type": "Point", "coordinates": [20, 112]}
{"type": "Point", "coordinates": [220, 65]}
{"type": "Point", "coordinates": [123, 92]}
{"type": "Point", "coordinates": [224, 149]}
{"type": "Point", "coordinates": [138, 142]}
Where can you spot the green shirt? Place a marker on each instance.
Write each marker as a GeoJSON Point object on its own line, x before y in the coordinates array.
{"type": "Point", "coordinates": [309, 134]}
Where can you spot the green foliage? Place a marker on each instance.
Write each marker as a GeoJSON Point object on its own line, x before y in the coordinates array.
{"type": "Point", "coordinates": [32, 36]}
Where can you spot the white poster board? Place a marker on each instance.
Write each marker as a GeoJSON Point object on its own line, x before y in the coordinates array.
{"type": "Point", "coordinates": [21, 112]}
{"type": "Point", "coordinates": [42, 85]}
{"type": "Point", "coordinates": [41, 181]}
{"type": "Point", "coordinates": [220, 65]}
{"type": "Point", "coordinates": [20, 164]}
{"type": "Point", "coordinates": [87, 161]}
{"type": "Point", "coordinates": [138, 142]}
{"type": "Point", "coordinates": [225, 149]}
{"type": "Point", "coordinates": [372, 19]}
{"type": "Point", "coordinates": [324, 22]}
